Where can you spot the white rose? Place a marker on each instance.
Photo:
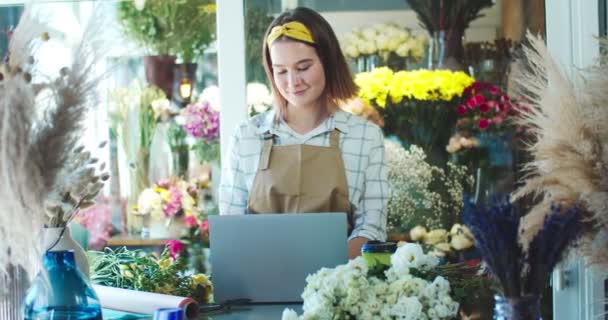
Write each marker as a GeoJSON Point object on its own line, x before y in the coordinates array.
{"type": "Point", "coordinates": [351, 51]}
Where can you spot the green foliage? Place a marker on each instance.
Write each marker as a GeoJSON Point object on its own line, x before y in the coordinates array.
{"type": "Point", "coordinates": [178, 27]}
{"type": "Point", "coordinates": [141, 271]}
{"type": "Point", "coordinates": [256, 22]}
{"type": "Point", "coordinates": [207, 151]}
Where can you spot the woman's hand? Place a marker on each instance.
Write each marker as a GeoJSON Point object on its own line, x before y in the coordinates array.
{"type": "Point", "coordinates": [354, 246]}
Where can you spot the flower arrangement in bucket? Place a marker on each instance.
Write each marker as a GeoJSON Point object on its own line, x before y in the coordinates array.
{"type": "Point", "coordinates": [415, 286]}
{"type": "Point", "coordinates": [203, 123]}
{"type": "Point", "coordinates": [415, 103]}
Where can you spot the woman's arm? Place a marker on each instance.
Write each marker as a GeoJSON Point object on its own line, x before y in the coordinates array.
{"type": "Point", "coordinates": [233, 193]}
{"type": "Point", "coordinates": [370, 216]}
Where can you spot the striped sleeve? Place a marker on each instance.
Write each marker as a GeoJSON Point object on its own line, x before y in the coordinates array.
{"type": "Point", "coordinates": [233, 193]}
{"type": "Point", "coordinates": [370, 217]}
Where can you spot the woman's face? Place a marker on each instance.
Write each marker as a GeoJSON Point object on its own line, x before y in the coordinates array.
{"type": "Point", "coordinates": [298, 72]}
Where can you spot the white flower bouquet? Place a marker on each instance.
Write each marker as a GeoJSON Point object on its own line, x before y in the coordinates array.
{"type": "Point", "coordinates": [410, 289]}
{"type": "Point", "coordinates": [383, 39]}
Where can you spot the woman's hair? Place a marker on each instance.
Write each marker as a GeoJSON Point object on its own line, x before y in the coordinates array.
{"type": "Point", "coordinates": [339, 84]}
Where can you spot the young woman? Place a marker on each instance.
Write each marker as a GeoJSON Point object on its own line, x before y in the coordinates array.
{"type": "Point", "coordinates": [307, 155]}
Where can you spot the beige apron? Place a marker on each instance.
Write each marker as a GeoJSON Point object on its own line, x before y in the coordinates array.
{"type": "Point", "coordinates": [300, 178]}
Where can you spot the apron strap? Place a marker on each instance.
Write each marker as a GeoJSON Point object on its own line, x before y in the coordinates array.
{"type": "Point", "coordinates": [266, 149]}
{"type": "Point", "coordinates": [334, 139]}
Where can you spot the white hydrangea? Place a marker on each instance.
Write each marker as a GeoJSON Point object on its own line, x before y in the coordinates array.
{"type": "Point", "coordinates": [347, 291]}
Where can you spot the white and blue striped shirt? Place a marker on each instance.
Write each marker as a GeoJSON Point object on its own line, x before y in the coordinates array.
{"type": "Point", "coordinates": [362, 146]}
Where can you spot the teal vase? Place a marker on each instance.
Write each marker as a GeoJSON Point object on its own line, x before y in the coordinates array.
{"type": "Point", "coordinates": [61, 292]}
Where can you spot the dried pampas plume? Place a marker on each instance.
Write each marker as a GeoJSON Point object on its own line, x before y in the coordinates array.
{"type": "Point", "coordinates": [570, 144]}
{"type": "Point", "coordinates": [35, 146]}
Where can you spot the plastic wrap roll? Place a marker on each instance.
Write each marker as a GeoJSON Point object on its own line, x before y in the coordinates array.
{"type": "Point", "coordinates": [143, 302]}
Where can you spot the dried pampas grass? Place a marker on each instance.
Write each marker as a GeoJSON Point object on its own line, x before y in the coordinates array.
{"type": "Point", "coordinates": [35, 145]}
{"type": "Point", "coordinates": [570, 144]}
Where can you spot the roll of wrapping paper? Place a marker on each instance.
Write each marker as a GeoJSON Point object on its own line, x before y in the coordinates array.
{"type": "Point", "coordinates": [143, 302]}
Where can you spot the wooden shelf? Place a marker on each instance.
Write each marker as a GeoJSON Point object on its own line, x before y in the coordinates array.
{"type": "Point", "coordinates": [134, 241]}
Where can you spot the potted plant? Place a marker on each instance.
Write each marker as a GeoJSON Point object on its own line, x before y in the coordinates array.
{"type": "Point", "coordinates": [168, 31]}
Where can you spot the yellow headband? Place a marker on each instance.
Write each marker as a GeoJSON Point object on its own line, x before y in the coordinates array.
{"type": "Point", "coordinates": [294, 29]}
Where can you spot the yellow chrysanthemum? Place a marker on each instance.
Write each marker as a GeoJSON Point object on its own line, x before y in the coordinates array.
{"type": "Point", "coordinates": [377, 86]}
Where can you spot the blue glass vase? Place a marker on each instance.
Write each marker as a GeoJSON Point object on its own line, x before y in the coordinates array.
{"type": "Point", "coordinates": [61, 292]}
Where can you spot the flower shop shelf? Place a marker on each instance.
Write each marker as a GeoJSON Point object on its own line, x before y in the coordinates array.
{"type": "Point", "coordinates": [134, 241]}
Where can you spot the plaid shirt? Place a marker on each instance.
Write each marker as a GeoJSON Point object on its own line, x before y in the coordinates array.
{"type": "Point", "coordinates": [362, 146]}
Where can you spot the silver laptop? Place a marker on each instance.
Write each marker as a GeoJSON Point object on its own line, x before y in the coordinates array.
{"type": "Point", "coordinates": [266, 257]}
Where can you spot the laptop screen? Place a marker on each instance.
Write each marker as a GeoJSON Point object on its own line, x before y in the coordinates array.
{"type": "Point", "coordinates": [267, 257]}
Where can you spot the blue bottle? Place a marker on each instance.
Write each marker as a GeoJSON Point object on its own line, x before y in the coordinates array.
{"type": "Point", "coordinates": [61, 292]}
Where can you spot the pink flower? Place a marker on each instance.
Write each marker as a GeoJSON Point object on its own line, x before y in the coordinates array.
{"type": "Point", "coordinates": [175, 248]}
{"type": "Point", "coordinates": [205, 225]}
{"type": "Point", "coordinates": [471, 103]}
{"type": "Point", "coordinates": [504, 98]}
{"type": "Point", "coordinates": [480, 99]}
{"type": "Point", "coordinates": [175, 203]}
{"type": "Point", "coordinates": [483, 123]}
{"type": "Point", "coordinates": [462, 109]}
{"type": "Point", "coordinates": [484, 107]}
{"type": "Point", "coordinates": [493, 90]}
{"type": "Point", "coordinates": [202, 121]}
{"type": "Point", "coordinates": [164, 183]}
{"type": "Point", "coordinates": [190, 221]}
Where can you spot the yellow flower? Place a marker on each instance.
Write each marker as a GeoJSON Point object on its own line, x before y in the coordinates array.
{"type": "Point", "coordinates": [377, 86]}
{"type": "Point", "coordinates": [200, 278]}
{"type": "Point", "coordinates": [418, 233]}
{"type": "Point", "coordinates": [208, 8]}
{"type": "Point", "coordinates": [123, 267]}
{"type": "Point", "coordinates": [436, 236]}
{"type": "Point", "coordinates": [126, 273]}
{"type": "Point", "coordinates": [164, 263]}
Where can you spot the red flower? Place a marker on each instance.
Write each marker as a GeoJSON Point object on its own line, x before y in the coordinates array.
{"type": "Point", "coordinates": [191, 221]}
{"type": "Point", "coordinates": [484, 107]}
{"type": "Point", "coordinates": [480, 98]}
{"type": "Point", "coordinates": [504, 98]}
{"type": "Point", "coordinates": [483, 123]}
{"type": "Point", "coordinates": [175, 247]}
{"type": "Point", "coordinates": [462, 109]}
{"type": "Point", "coordinates": [501, 107]}
{"type": "Point", "coordinates": [471, 103]}
{"type": "Point", "coordinates": [477, 86]}
{"type": "Point", "coordinates": [493, 90]}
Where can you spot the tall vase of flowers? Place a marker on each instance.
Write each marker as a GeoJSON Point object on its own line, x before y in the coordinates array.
{"type": "Point", "coordinates": [414, 104]}
{"type": "Point", "coordinates": [203, 123]}
{"type": "Point", "coordinates": [446, 22]}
